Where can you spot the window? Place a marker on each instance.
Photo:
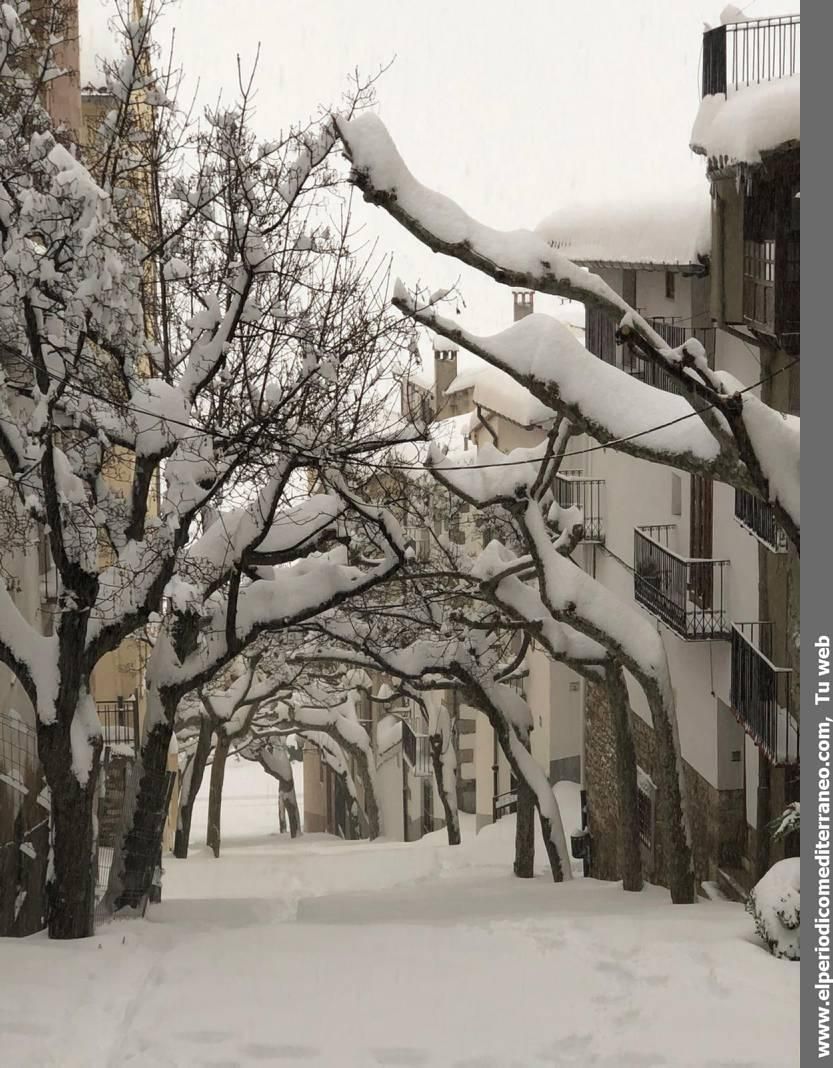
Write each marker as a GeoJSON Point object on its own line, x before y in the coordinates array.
{"type": "Point", "coordinates": [669, 285]}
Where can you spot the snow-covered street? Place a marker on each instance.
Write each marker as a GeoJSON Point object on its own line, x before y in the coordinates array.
{"type": "Point", "coordinates": [321, 952]}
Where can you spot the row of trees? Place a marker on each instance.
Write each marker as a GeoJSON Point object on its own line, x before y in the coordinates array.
{"type": "Point", "coordinates": [197, 366]}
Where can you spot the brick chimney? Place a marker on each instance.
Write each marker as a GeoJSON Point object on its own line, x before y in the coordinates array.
{"type": "Point", "coordinates": [63, 97]}
{"type": "Point", "coordinates": [445, 370]}
{"type": "Point", "coordinates": [523, 303]}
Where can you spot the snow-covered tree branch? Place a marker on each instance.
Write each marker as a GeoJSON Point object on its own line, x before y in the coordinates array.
{"type": "Point", "coordinates": [719, 429]}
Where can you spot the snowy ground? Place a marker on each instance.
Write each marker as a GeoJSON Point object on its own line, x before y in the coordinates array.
{"type": "Point", "coordinates": [331, 954]}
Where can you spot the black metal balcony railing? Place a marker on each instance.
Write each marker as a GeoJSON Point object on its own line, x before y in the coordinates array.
{"type": "Point", "coordinates": [119, 721]}
{"type": "Point", "coordinates": [416, 749]}
{"type": "Point", "coordinates": [750, 52]}
{"type": "Point", "coordinates": [601, 341]}
{"type": "Point", "coordinates": [575, 491]}
{"type": "Point", "coordinates": [758, 517]}
{"type": "Point", "coordinates": [689, 595]}
{"type": "Point", "coordinates": [504, 804]}
{"type": "Point", "coordinates": [760, 693]}
{"type": "Point", "coordinates": [675, 333]}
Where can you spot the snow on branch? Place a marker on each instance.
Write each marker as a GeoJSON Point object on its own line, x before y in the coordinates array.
{"type": "Point", "coordinates": [519, 258]}
{"type": "Point", "coordinates": [538, 356]}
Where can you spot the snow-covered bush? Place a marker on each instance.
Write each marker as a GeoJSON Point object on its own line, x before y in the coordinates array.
{"type": "Point", "coordinates": [775, 905]}
{"type": "Point", "coordinates": [788, 822]}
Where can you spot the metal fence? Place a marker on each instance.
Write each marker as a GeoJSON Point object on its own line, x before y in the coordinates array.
{"type": "Point", "coordinates": [750, 52]}
{"type": "Point", "coordinates": [144, 841]}
{"type": "Point", "coordinates": [119, 721]}
{"type": "Point", "coordinates": [24, 830]}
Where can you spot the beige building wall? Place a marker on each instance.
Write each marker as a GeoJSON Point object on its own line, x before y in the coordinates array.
{"type": "Point", "coordinates": [315, 801]}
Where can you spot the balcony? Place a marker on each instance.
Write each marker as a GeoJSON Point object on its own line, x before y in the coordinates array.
{"type": "Point", "coordinates": [750, 52]}
{"type": "Point", "coordinates": [119, 722]}
{"type": "Point", "coordinates": [760, 693]}
{"type": "Point", "coordinates": [572, 490]}
{"type": "Point", "coordinates": [601, 341]}
{"type": "Point", "coordinates": [688, 595]}
{"type": "Point", "coordinates": [675, 334]}
{"type": "Point", "coordinates": [758, 518]}
{"type": "Point", "coordinates": [416, 749]}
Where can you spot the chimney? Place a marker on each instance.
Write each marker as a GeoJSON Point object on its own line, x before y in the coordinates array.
{"type": "Point", "coordinates": [445, 370]}
{"type": "Point", "coordinates": [523, 303]}
{"type": "Point", "coordinates": [63, 97]}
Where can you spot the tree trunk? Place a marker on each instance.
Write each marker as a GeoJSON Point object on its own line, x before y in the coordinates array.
{"type": "Point", "coordinates": [371, 805]}
{"type": "Point", "coordinates": [215, 794]}
{"type": "Point", "coordinates": [70, 888]}
{"type": "Point", "coordinates": [630, 851]}
{"type": "Point", "coordinates": [186, 802]}
{"type": "Point", "coordinates": [671, 815]}
{"type": "Point", "coordinates": [290, 804]}
{"type": "Point", "coordinates": [281, 814]}
{"type": "Point", "coordinates": [140, 841]}
{"type": "Point", "coordinates": [524, 866]}
{"type": "Point", "coordinates": [448, 798]}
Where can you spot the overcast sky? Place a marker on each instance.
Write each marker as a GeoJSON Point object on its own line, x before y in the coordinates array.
{"type": "Point", "coordinates": [512, 108]}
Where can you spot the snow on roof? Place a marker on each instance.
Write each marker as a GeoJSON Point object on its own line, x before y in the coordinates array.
{"type": "Point", "coordinates": [450, 434]}
{"type": "Point", "coordinates": [670, 233]}
{"type": "Point", "coordinates": [443, 344]}
{"type": "Point", "coordinates": [500, 393]}
{"type": "Point", "coordinates": [496, 390]}
{"type": "Point", "coordinates": [465, 379]}
{"type": "Point", "coordinates": [420, 377]}
{"type": "Point", "coordinates": [754, 119]}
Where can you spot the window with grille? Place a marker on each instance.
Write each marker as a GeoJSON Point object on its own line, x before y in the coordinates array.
{"type": "Point", "coordinates": [645, 809]}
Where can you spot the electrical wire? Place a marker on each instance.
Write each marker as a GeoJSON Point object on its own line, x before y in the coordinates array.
{"type": "Point", "coordinates": [695, 413]}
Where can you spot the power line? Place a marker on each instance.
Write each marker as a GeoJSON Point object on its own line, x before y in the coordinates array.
{"type": "Point", "coordinates": [593, 448]}
{"type": "Point", "coordinates": [127, 407]}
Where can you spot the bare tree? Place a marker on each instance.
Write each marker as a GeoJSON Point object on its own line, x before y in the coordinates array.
{"type": "Point", "coordinates": [181, 332]}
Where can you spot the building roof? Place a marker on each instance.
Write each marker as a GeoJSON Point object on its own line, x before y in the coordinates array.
{"type": "Point", "coordinates": [661, 234]}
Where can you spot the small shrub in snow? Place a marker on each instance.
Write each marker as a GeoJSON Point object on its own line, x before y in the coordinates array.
{"type": "Point", "coordinates": [787, 822]}
{"type": "Point", "coordinates": [775, 905]}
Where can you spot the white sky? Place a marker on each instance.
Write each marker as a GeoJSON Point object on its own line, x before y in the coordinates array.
{"type": "Point", "coordinates": [512, 108]}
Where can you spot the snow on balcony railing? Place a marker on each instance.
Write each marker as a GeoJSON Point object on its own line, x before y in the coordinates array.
{"type": "Point", "coordinates": [687, 594]}
{"type": "Point", "coordinates": [573, 490]}
{"type": "Point", "coordinates": [760, 692]}
{"type": "Point", "coordinates": [750, 52]}
{"type": "Point", "coordinates": [758, 517]}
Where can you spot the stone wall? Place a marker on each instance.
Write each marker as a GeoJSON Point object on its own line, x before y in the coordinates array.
{"type": "Point", "coordinates": [716, 817]}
